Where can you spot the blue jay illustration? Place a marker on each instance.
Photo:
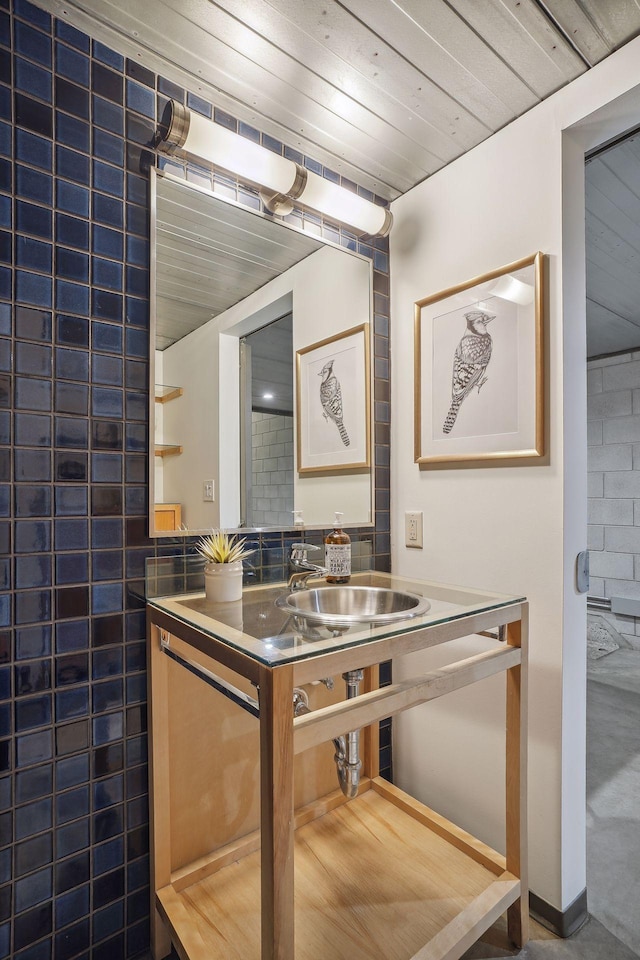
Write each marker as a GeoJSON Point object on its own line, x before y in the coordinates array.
{"type": "Point", "coordinates": [469, 362]}
{"type": "Point", "coordinates": [331, 399]}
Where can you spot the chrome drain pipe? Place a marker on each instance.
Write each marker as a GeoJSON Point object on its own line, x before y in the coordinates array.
{"type": "Point", "coordinates": [347, 755]}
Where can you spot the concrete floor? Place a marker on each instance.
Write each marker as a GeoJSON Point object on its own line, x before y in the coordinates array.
{"type": "Point", "coordinates": [592, 942]}
{"type": "Point", "coordinates": [613, 794]}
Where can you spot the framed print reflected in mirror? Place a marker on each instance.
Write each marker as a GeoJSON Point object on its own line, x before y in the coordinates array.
{"type": "Point", "coordinates": [479, 368]}
{"type": "Point", "coordinates": [332, 403]}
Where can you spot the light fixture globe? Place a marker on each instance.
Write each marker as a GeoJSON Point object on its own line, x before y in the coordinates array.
{"type": "Point", "coordinates": [282, 181]}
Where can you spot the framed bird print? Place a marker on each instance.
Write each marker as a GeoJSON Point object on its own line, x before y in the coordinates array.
{"type": "Point", "coordinates": [479, 377]}
{"type": "Point", "coordinates": [332, 403]}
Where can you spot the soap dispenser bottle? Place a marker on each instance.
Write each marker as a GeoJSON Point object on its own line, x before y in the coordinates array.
{"type": "Point", "coordinates": [337, 553]}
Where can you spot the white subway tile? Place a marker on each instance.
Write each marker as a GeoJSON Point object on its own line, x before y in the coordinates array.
{"type": "Point", "coordinates": [610, 456]}
{"type": "Point", "coordinates": [622, 430]}
{"type": "Point", "coordinates": [596, 584]}
{"type": "Point", "coordinates": [610, 511]}
{"type": "Point", "coordinates": [595, 536]}
{"type": "Point", "coordinates": [622, 539]}
{"type": "Point", "coordinates": [595, 485]}
{"type": "Point", "coordinates": [594, 432]}
{"type": "Point", "coordinates": [620, 588]}
{"type": "Point", "coordinates": [621, 376]}
{"type": "Point", "coordinates": [623, 484]}
{"type": "Point", "coordinates": [594, 380]}
{"type": "Point", "coordinates": [602, 406]}
{"type": "Point", "coordinates": [617, 565]}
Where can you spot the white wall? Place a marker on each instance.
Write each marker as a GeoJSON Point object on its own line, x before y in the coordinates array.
{"type": "Point", "coordinates": [330, 292]}
{"type": "Point", "coordinates": [513, 529]}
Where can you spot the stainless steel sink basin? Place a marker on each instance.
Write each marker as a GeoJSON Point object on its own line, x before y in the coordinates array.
{"type": "Point", "coordinates": [351, 605]}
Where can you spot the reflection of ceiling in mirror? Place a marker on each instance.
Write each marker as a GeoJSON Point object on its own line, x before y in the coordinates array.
{"type": "Point", "coordinates": [210, 254]}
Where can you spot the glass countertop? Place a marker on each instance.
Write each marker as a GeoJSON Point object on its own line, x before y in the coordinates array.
{"type": "Point", "coordinates": [258, 628]}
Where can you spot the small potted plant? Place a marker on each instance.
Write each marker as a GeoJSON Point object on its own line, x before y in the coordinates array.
{"type": "Point", "coordinates": [224, 554]}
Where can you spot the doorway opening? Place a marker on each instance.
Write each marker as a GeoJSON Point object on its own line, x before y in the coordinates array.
{"type": "Point", "coordinates": [612, 202]}
{"type": "Point", "coordinates": [267, 424]}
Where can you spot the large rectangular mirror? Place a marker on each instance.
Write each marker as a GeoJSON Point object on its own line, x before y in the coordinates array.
{"type": "Point", "coordinates": [236, 298]}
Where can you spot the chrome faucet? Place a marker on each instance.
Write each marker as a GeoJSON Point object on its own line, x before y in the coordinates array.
{"type": "Point", "coordinates": [301, 567]}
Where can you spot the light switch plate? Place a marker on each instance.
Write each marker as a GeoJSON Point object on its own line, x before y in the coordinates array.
{"type": "Point", "coordinates": [208, 490]}
{"type": "Point", "coordinates": [413, 528]}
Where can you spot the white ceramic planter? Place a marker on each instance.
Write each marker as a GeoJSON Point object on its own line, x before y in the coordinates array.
{"type": "Point", "coordinates": [223, 581]}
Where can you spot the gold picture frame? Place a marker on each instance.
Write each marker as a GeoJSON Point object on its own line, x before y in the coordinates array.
{"type": "Point", "coordinates": [333, 413]}
{"type": "Point", "coordinates": [479, 394]}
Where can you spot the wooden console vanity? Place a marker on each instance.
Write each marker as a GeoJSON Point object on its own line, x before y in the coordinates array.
{"type": "Point", "coordinates": [240, 790]}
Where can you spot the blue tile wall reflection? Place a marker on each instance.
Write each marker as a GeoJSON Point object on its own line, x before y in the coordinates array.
{"type": "Point", "coordinates": [74, 442]}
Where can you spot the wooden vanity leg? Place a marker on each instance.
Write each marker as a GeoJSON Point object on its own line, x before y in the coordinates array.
{"type": "Point", "coordinates": [371, 734]}
{"type": "Point", "coordinates": [516, 799]}
{"type": "Point", "coordinates": [276, 812]}
{"type": "Point", "coordinates": [159, 805]}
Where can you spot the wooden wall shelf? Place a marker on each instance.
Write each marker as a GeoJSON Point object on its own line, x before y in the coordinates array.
{"type": "Point", "coordinates": [168, 450]}
{"type": "Point", "coordinates": [164, 394]}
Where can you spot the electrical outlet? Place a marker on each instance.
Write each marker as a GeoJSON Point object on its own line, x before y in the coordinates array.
{"type": "Point", "coordinates": [413, 528]}
{"type": "Point", "coordinates": [208, 490]}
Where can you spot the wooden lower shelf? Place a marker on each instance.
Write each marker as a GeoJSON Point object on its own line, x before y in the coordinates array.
{"type": "Point", "coordinates": [378, 878]}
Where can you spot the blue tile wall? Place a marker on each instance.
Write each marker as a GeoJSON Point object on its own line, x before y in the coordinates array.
{"type": "Point", "coordinates": [76, 125]}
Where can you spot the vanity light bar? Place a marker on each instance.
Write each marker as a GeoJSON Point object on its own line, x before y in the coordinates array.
{"type": "Point", "coordinates": [282, 180]}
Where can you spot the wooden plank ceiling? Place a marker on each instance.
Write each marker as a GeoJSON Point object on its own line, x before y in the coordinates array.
{"type": "Point", "coordinates": [386, 92]}
{"type": "Point", "coordinates": [382, 91]}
